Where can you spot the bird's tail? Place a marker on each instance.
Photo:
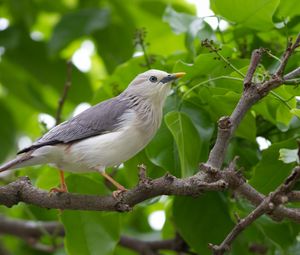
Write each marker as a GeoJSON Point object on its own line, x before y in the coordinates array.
{"type": "Point", "coordinates": [21, 160]}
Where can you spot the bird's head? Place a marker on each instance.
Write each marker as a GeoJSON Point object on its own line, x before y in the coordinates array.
{"type": "Point", "coordinates": [152, 84]}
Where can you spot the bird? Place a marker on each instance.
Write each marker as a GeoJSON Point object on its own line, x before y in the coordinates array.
{"type": "Point", "coordinates": [106, 134]}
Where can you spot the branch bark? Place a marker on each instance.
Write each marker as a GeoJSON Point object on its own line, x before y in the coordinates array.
{"type": "Point", "coordinates": [268, 204]}
{"type": "Point", "coordinates": [32, 231]}
{"type": "Point", "coordinates": [29, 229]}
{"type": "Point", "coordinates": [152, 247]}
{"type": "Point", "coordinates": [252, 93]}
{"type": "Point", "coordinates": [211, 179]}
{"type": "Point", "coordinates": [293, 74]}
{"type": "Point", "coordinates": [23, 191]}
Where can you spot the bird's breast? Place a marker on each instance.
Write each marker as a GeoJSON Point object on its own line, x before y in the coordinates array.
{"type": "Point", "coordinates": [112, 148]}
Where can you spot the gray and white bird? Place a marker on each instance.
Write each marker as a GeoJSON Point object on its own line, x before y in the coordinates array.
{"type": "Point", "coordinates": [104, 135]}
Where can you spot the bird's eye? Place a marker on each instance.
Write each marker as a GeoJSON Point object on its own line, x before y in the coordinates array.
{"type": "Point", "coordinates": [153, 79]}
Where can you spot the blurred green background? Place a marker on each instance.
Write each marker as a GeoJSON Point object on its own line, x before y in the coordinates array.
{"type": "Point", "coordinates": [109, 43]}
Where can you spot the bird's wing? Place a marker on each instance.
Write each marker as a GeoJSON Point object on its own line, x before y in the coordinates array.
{"type": "Point", "coordinates": [102, 118]}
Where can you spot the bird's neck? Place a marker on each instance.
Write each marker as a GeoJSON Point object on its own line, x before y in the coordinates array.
{"type": "Point", "coordinates": [149, 108]}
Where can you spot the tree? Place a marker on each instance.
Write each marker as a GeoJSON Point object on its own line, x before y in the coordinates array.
{"type": "Point", "coordinates": [225, 192]}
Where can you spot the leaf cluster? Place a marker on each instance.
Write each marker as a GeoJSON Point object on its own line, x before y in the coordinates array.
{"type": "Point", "coordinates": [42, 35]}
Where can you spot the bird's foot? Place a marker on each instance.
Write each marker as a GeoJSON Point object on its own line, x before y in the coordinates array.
{"type": "Point", "coordinates": [120, 188]}
{"type": "Point", "coordinates": [62, 189]}
{"type": "Point", "coordinates": [117, 193]}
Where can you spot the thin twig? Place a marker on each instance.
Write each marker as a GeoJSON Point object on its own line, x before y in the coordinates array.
{"type": "Point", "coordinates": [139, 40]}
{"type": "Point", "coordinates": [281, 99]}
{"type": "Point", "coordinates": [269, 203]}
{"type": "Point", "coordinates": [212, 179]}
{"type": "Point", "coordinates": [208, 81]}
{"type": "Point", "coordinates": [293, 74]}
{"type": "Point", "coordinates": [268, 52]}
{"type": "Point", "coordinates": [63, 97]}
{"type": "Point", "coordinates": [210, 45]}
{"type": "Point", "coordinates": [255, 59]}
{"type": "Point", "coordinates": [251, 95]}
{"type": "Point", "coordinates": [288, 52]}
{"type": "Point", "coordinates": [292, 82]}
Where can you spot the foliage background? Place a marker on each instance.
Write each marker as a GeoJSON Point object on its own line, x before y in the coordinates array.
{"type": "Point", "coordinates": [42, 35]}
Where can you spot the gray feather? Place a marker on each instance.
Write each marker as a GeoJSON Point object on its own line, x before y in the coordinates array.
{"type": "Point", "coordinates": [99, 119]}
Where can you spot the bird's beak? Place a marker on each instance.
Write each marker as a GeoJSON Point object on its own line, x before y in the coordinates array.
{"type": "Point", "coordinates": [172, 77]}
{"type": "Point", "coordinates": [179, 75]}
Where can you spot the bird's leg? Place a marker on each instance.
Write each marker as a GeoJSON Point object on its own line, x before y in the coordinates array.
{"type": "Point", "coordinates": [119, 187]}
{"type": "Point", "coordinates": [63, 186]}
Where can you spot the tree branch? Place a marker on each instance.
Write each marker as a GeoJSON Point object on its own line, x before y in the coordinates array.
{"type": "Point", "coordinates": [268, 204]}
{"type": "Point", "coordinates": [238, 184]}
{"type": "Point", "coordinates": [293, 74]}
{"type": "Point", "coordinates": [294, 196]}
{"type": "Point", "coordinates": [151, 247]}
{"type": "Point", "coordinates": [22, 190]}
{"type": "Point", "coordinates": [255, 59]}
{"type": "Point", "coordinates": [211, 179]}
{"type": "Point", "coordinates": [29, 229]}
{"type": "Point", "coordinates": [32, 231]}
{"type": "Point", "coordinates": [251, 95]}
{"type": "Point", "coordinates": [63, 98]}
{"type": "Point", "coordinates": [288, 52]}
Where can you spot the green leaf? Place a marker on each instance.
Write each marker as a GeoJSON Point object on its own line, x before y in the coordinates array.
{"type": "Point", "coordinates": [202, 220]}
{"type": "Point", "coordinates": [288, 9]}
{"type": "Point", "coordinates": [119, 79]}
{"type": "Point", "coordinates": [22, 85]}
{"type": "Point", "coordinates": [115, 41]}
{"type": "Point", "coordinates": [162, 151]}
{"type": "Point", "coordinates": [205, 64]}
{"type": "Point", "coordinates": [89, 233]}
{"type": "Point", "coordinates": [222, 105]}
{"type": "Point", "coordinates": [187, 140]}
{"type": "Point", "coordinates": [35, 83]}
{"type": "Point", "coordinates": [255, 14]}
{"type": "Point", "coordinates": [283, 117]}
{"type": "Point", "coordinates": [267, 108]}
{"type": "Point", "coordinates": [283, 113]}
{"type": "Point", "coordinates": [77, 24]}
{"type": "Point", "coordinates": [179, 22]}
{"type": "Point", "coordinates": [204, 125]}
{"type": "Point", "coordinates": [48, 177]}
{"type": "Point", "coordinates": [270, 171]}
{"type": "Point", "coordinates": [10, 37]}
{"type": "Point", "coordinates": [288, 156]}
{"type": "Point", "coordinates": [275, 231]}
{"type": "Point", "coordinates": [295, 112]}
{"type": "Point", "coordinates": [193, 26]}
{"type": "Point", "coordinates": [263, 231]}
{"type": "Point", "coordinates": [128, 175]}
{"type": "Point", "coordinates": [7, 131]}
{"type": "Point", "coordinates": [248, 156]}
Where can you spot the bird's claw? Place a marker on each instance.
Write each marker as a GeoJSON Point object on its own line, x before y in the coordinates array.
{"type": "Point", "coordinates": [117, 193]}
{"type": "Point", "coordinates": [62, 189]}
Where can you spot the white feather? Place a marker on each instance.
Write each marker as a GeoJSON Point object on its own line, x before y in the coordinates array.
{"type": "Point", "coordinates": [135, 129]}
{"type": "Point", "coordinates": [98, 152]}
